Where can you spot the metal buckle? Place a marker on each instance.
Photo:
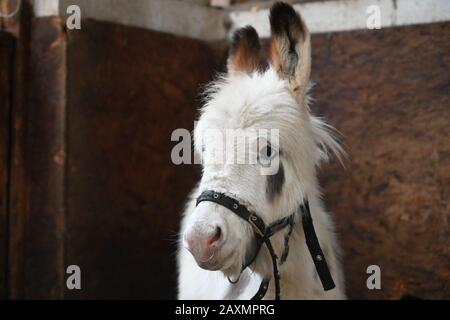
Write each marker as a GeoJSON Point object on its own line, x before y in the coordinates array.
{"type": "Point", "coordinates": [252, 219]}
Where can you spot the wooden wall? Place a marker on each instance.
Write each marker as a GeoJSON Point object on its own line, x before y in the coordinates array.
{"type": "Point", "coordinates": [6, 56]}
{"type": "Point", "coordinates": [387, 92]}
{"type": "Point", "coordinates": [128, 90]}
{"type": "Point", "coordinates": [92, 181]}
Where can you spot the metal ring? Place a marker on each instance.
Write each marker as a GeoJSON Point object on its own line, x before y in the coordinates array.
{"type": "Point", "coordinates": [237, 280]}
{"type": "Point", "coordinates": [12, 14]}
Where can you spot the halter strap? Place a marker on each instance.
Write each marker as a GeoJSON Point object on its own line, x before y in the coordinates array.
{"type": "Point", "coordinates": [262, 290]}
{"type": "Point", "coordinates": [263, 234]}
{"type": "Point", "coordinates": [258, 225]}
{"type": "Point", "coordinates": [314, 249]}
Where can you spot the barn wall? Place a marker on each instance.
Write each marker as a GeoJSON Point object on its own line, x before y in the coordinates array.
{"type": "Point", "coordinates": [128, 90]}
{"type": "Point", "coordinates": [105, 101]}
{"type": "Point", "coordinates": [387, 92]}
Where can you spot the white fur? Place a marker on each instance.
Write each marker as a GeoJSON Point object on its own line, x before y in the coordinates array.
{"type": "Point", "coordinates": [261, 100]}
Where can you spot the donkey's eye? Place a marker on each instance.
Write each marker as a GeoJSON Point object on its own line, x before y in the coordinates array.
{"type": "Point", "coordinates": [267, 153]}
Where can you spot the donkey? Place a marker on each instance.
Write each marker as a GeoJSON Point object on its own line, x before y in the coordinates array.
{"type": "Point", "coordinates": [215, 243]}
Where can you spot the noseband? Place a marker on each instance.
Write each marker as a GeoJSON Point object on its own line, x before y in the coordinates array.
{"type": "Point", "coordinates": [263, 233]}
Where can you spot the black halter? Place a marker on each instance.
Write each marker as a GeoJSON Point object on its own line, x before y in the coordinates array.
{"type": "Point", "coordinates": [263, 234]}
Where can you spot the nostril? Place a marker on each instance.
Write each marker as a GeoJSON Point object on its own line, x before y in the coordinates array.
{"type": "Point", "coordinates": [216, 237]}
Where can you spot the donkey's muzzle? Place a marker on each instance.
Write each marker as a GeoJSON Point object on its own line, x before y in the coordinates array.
{"type": "Point", "coordinates": [205, 247]}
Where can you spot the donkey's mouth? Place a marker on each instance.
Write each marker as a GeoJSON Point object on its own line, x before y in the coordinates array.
{"type": "Point", "coordinates": [209, 266]}
{"type": "Point", "coordinates": [211, 262]}
{"type": "Point", "coordinates": [215, 262]}
{"type": "Point", "coordinates": [231, 264]}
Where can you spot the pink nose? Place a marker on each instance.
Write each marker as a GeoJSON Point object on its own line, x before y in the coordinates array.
{"type": "Point", "coordinates": [204, 247]}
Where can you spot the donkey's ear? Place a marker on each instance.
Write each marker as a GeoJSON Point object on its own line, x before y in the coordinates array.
{"type": "Point", "coordinates": [290, 47]}
{"type": "Point", "coordinates": [245, 51]}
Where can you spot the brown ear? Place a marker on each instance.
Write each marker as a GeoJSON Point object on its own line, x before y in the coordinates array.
{"type": "Point", "coordinates": [245, 51]}
{"type": "Point", "coordinates": [290, 48]}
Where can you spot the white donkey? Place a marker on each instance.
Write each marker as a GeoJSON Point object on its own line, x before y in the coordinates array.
{"type": "Point", "coordinates": [216, 243]}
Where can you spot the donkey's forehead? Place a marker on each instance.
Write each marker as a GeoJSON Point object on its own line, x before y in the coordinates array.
{"type": "Point", "coordinates": [245, 101]}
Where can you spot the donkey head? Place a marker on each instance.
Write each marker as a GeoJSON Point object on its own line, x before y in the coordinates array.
{"type": "Point", "coordinates": [252, 96]}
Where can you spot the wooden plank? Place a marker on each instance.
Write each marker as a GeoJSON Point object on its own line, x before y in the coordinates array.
{"type": "Point", "coordinates": [36, 215]}
{"type": "Point", "coordinates": [6, 67]}
{"type": "Point", "coordinates": [46, 149]}
{"type": "Point", "coordinates": [19, 26]}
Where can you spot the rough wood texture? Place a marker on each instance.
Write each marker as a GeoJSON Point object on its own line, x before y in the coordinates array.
{"type": "Point", "coordinates": [128, 90]}
{"type": "Point", "coordinates": [20, 27]}
{"type": "Point", "coordinates": [6, 63]}
{"type": "Point", "coordinates": [45, 149]}
{"type": "Point", "coordinates": [387, 92]}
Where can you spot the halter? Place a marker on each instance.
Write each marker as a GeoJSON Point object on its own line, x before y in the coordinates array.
{"type": "Point", "coordinates": [263, 234]}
